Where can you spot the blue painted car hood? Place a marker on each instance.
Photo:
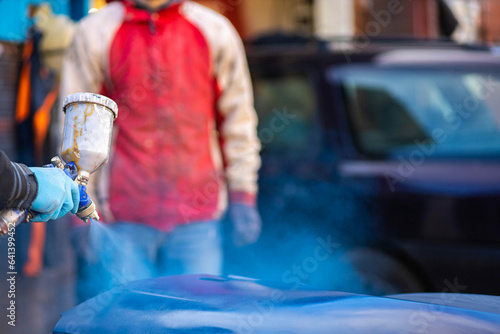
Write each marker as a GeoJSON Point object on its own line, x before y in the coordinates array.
{"type": "Point", "coordinates": [208, 304]}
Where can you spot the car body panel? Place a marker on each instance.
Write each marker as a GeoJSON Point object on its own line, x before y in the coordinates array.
{"type": "Point", "coordinates": [209, 304]}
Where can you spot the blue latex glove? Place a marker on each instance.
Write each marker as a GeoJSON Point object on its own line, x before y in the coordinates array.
{"type": "Point", "coordinates": [57, 194]}
{"type": "Point", "coordinates": [247, 224]}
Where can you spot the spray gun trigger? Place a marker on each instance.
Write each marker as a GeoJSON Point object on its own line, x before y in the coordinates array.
{"type": "Point", "coordinates": [71, 170]}
{"type": "Point", "coordinates": [87, 207]}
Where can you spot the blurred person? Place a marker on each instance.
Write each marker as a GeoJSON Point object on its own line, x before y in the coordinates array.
{"type": "Point", "coordinates": [57, 33]}
{"type": "Point", "coordinates": [48, 192]}
{"type": "Point", "coordinates": [185, 140]}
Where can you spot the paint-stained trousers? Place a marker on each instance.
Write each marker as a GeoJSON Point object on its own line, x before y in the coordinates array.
{"type": "Point", "coordinates": [110, 255]}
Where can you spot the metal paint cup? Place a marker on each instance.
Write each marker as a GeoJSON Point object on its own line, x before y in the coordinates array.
{"type": "Point", "coordinates": [88, 129]}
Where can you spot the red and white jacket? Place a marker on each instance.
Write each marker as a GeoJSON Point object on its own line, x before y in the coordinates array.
{"type": "Point", "coordinates": [186, 127]}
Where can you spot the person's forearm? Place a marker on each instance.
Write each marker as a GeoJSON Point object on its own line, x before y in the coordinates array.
{"type": "Point", "coordinates": [18, 185]}
{"type": "Point", "coordinates": [237, 124]}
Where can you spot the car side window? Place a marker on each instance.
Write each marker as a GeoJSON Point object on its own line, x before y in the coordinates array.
{"type": "Point", "coordinates": [394, 110]}
{"type": "Point", "coordinates": [382, 120]}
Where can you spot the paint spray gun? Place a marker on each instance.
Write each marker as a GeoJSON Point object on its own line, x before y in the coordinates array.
{"type": "Point", "coordinates": [86, 143]}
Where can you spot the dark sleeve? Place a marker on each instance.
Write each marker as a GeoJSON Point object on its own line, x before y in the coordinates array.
{"type": "Point", "coordinates": [18, 185]}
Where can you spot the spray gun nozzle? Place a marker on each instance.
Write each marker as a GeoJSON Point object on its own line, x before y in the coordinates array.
{"type": "Point", "coordinates": [88, 211]}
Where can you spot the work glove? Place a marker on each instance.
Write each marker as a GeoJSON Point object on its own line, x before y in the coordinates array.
{"type": "Point", "coordinates": [57, 194]}
{"type": "Point", "coordinates": [247, 224]}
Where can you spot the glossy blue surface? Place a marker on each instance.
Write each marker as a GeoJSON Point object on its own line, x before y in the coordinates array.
{"type": "Point", "coordinates": [207, 304]}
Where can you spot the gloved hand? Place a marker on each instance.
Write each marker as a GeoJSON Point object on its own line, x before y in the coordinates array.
{"type": "Point", "coordinates": [247, 224]}
{"type": "Point", "coordinates": [57, 194]}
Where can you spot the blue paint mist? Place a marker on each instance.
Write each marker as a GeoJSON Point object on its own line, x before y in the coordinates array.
{"type": "Point", "coordinates": [309, 228]}
{"type": "Point", "coordinates": [307, 231]}
{"type": "Point", "coordinates": [113, 259]}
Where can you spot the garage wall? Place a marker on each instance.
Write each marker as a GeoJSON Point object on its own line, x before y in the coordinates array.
{"type": "Point", "coordinates": [10, 55]}
{"type": "Point", "coordinates": [489, 29]}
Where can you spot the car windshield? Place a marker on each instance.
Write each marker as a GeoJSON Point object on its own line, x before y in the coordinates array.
{"type": "Point", "coordinates": [393, 111]}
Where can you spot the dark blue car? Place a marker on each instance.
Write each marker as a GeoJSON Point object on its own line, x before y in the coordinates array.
{"type": "Point", "coordinates": [389, 148]}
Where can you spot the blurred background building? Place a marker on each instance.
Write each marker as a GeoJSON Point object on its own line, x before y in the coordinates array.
{"type": "Point", "coordinates": [334, 18]}
{"type": "Point", "coordinates": [324, 18]}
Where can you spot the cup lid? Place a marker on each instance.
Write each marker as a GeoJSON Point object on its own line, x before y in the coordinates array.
{"type": "Point", "coordinates": [91, 98]}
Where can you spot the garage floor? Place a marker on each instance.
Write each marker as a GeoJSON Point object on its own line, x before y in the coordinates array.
{"type": "Point", "coordinates": [41, 300]}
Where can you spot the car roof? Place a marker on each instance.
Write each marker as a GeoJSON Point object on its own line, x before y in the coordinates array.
{"type": "Point", "coordinates": [381, 50]}
{"type": "Point", "coordinates": [437, 56]}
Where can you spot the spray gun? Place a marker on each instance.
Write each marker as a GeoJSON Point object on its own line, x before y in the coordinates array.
{"type": "Point", "coordinates": [88, 128]}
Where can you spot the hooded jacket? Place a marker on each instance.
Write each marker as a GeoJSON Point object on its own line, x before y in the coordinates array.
{"type": "Point", "coordinates": [186, 127]}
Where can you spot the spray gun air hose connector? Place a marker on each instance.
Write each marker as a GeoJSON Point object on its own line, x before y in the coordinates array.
{"type": "Point", "coordinates": [9, 219]}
